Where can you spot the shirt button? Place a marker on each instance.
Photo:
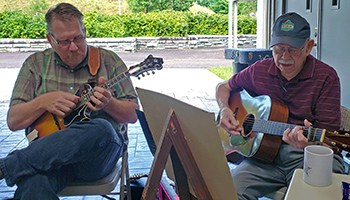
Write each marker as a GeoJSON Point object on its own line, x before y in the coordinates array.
{"type": "Point", "coordinates": [71, 88]}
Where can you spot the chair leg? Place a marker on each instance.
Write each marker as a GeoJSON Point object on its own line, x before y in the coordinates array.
{"type": "Point", "coordinates": [124, 180]}
{"type": "Point", "coordinates": [128, 188]}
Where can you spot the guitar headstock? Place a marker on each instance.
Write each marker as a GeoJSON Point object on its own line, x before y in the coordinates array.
{"type": "Point", "coordinates": [149, 64]}
{"type": "Point", "coordinates": [338, 142]}
{"type": "Point", "coordinates": [336, 139]}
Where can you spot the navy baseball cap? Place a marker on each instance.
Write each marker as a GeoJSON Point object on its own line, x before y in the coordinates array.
{"type": "Point", "coordinates": [291, 29]}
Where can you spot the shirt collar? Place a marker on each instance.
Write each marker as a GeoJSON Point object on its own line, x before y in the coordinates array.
{"type": "Point", "coordinates": [306, 73]}
{"type": "Point", "coordinates": [59, 62]}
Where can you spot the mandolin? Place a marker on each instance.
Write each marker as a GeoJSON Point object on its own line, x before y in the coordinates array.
{"type": "Point", "coordinates": [49, 123]}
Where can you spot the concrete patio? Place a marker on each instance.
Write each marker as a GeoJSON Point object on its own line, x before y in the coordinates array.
{"type": "Point", "coordinates": [193, 86]}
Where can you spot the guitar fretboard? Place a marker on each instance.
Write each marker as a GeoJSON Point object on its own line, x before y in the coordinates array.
{"type": "Point", "coordinates": [87, 96]}
{"type": "Point", "coordinates": [277, 128]}
{"type": "Point", "coordinates": [149, 64]}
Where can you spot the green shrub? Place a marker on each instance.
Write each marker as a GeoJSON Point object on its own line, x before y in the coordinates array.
{"type": "Point", "coordinates": [102, 26]}
{"type": "Point", "coordinates": [204, 24]}
{"type": "Point", "coordinates": [166, 23]}
{"type": "Point", "coordinates": [17, 24]}
{"type": "Point", "coordinates": [246, 25]}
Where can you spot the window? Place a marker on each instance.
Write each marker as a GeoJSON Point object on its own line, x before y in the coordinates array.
{"type": "Point", "coordinates": [335, 4]}
{"type": "Point", "coordinates": [308, 5]}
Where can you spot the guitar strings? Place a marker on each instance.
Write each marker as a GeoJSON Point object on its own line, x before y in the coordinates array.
{"type": "Point", "coordinates": [310, 132]}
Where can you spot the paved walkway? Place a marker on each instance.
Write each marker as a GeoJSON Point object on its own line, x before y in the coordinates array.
{"type": "Point", "coordinates": [193, 86]}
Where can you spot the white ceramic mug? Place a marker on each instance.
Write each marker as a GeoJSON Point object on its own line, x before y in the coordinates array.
{"type": "Point", "coordinates": [318, 165]}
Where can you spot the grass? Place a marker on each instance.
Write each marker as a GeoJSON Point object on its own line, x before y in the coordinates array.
{"type": "Point", "coordinates": [224, 72]}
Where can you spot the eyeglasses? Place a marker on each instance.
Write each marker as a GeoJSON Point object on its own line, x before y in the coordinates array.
{"type": "Point", "coordinates": [278, 49]}
{"type": "Point", "coordinates": [78, 40]}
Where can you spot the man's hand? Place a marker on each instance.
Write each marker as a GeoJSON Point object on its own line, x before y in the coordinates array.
{"type": "Point", "coordinates": [101, 96]}
{"type": "Point", "coordinates": [229, 122]}
{"type": "Point", "coordinates": [295, 137]}
{"type": "Point", "coordinates": [60, 103]}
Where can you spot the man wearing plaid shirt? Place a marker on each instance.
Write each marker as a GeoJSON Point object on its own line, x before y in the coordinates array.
{"type": "Point", "coordinates": [85, 150]}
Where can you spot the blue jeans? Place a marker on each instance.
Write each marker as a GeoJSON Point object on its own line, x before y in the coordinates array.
{"type": "Point", "coordinates": [85, 151]}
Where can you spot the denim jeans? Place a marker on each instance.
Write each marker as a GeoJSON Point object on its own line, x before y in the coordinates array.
{"type": "Point", "coordinates": [85, 151]}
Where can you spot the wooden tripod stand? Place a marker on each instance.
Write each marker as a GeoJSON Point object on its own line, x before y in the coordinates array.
{"type": "Point", "coordinates": [190, 137]}
{"type": "Point", "coordinates": [173, 142]}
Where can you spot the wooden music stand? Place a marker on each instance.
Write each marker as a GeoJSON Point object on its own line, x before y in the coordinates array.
{"type": "Point", "coordinates": [173, 143]}
{"type": "Point", "coordinates": [189, 135]}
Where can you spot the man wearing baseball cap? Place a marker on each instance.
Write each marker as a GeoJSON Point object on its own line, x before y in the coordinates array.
{"type": "Point", "coordinates": [309, 88]}
{"type": "Point", "coordinates": [290, 29]}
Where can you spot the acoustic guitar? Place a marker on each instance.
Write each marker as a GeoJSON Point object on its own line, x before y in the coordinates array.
{"type": "Point", "coordinates": [263, 122]}
{"type": "Point", "coordinates": [49, 123]}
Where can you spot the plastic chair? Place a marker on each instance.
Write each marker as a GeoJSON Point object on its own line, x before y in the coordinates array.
{"type": "Point", "coordinates": [106, 185]}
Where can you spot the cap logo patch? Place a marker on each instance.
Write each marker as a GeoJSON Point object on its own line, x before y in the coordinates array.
{"type": "Point", "coordinates": [287, 26]}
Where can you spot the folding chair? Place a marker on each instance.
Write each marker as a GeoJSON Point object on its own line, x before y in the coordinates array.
{"type": "Point", "coordinates": [106, 185]}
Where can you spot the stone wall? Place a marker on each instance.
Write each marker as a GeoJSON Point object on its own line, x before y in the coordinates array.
{"type": "Point", "coordinates": [133, 44]}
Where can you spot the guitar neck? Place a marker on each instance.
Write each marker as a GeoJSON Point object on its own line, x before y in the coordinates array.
{"type": "Point", "coordinates": [115, 80]}
{"type": "Point", "coordinates": [277, 128]}
{"type": "Point", "coordinates": [110, 83]}
{"type": "Point", "coordinates": [149, 64]}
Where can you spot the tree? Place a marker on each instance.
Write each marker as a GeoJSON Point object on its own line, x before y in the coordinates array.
{"type": "Point", "coordinates": [159, 5]}
{"type": "Point", "coordinates": [38, 6]}
{"type": "Point", "coordinates": [247, 7]}
{"type": "Point", "coordinates": [182, 5]}
{"type": "Point", "coordinates": [221, 6]}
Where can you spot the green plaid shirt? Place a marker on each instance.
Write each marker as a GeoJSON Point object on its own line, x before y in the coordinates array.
{"type": "Point", "coordinates": [44, 72]}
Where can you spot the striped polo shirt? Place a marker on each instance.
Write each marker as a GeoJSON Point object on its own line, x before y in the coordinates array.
{"type": "Point", "coordinates": [314, 94]}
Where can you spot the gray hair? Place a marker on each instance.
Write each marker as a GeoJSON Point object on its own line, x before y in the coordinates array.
{"type": "Point", "coordinates": [63, 12]}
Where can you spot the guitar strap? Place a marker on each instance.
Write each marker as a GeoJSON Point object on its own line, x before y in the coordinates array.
{"type": "Point", "coordinates": [94, 60]}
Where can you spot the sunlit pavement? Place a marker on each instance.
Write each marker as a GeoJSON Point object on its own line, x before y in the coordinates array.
{"type": "Point", "coordinates": [193, 86]}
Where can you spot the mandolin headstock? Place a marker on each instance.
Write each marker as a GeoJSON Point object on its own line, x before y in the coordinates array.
{"type": "Point", "coordinates": [150, 64]}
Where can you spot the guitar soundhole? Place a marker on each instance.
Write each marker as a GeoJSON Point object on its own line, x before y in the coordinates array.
{"type": "Point", "coordinates": [248, 125]}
